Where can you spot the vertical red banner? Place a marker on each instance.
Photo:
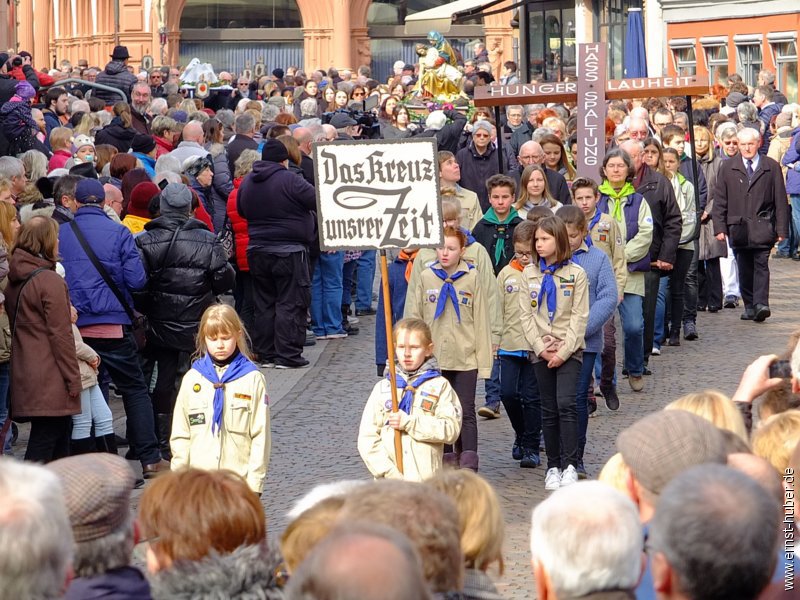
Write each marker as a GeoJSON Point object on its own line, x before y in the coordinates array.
{"type": "Point", "coordinates": [591, 109]}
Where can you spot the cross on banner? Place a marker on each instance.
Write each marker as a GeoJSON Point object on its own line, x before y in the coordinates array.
{"type": "Point", "coordinates": [591, 92]}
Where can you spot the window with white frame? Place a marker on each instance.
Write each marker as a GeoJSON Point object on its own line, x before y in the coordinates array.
{"type": "Point", "coordinates": [683, 53]}
{"type": "Point", "coordinates": [716, 54]}
{"type": "Point", "coordinates": [784, 53]}
{"type": "Point", "coordinates": [749, 57]}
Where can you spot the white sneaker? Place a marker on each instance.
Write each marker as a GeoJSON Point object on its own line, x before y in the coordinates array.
{"type": "Point", "coordinates": [552, 480]}
{"type": "Point", "coordinates": [569, 476]}
{"type": "Point", "coordinates": [656, 351]}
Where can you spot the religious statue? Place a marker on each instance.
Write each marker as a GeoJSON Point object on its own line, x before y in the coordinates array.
{"type": "Point", "coordinates": [439, 78]}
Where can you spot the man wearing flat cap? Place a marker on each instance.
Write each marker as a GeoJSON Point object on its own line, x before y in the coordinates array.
{"type": "Point", "coordinates": [97, 492]}
{"type": "Point", "coordinates": [116, 75]}
{"type": "Point", "coordinates": [347, 128]}
{"type": "Point", "coordinates": [280, 209]}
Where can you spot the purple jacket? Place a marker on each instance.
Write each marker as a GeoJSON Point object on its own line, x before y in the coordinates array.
{"type": "Point", "coordinates": [793, 156]}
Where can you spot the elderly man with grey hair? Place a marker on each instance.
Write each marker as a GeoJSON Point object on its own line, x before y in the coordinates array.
{"type": "Point", "coordinates": [586, 542]}
{"type": "Point", "coordinates": [34, 532]}
{"type": "Point", "coordinates": [714, 536]}
{"type": "Point", "coordinates": [11, 168]}
{"type": "Point", "coordinates": [244, 127]}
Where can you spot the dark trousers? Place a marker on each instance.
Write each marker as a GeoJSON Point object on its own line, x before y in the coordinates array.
{"type": "Point", "coordinates": [165, 389]}
{"type": "Point", "coordinates": [520, 396]}
{"type": "Point", "coordinates": [121, 360]}
{"type": "Point", "coordinates": [753, 267]}
{"type": "Point", "coordinates": [652, 279]}
{"type": "Point", "coordinates": [609, 354]}
{"type": "Point", "coordinates": [49, 439]}
{"type": "Point", "coordinates": [243, 299]}
{"type": "Point", "coordinates": [691, 288]}
{"type": "Point", "coordinates": [281, 298]}
{"type": "Point", "coordinates": [464, 383]}
{"type": "Point", "coordinates": [558, 388]}
{"type": "Point", "coordinates": [582, 398]}
{"type": "Point", "coordinates": [709, 279]}
{"type": "Point", "coordinates": [678, 284]}
{"type": "Point", "coordinates": [348, 272]}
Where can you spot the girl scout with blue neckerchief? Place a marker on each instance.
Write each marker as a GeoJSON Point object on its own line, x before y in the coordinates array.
{"type": "Point", "coordinates": [448, 296]}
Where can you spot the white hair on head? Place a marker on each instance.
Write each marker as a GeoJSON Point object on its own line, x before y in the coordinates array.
{"type": "Point", "coordinates": [587, 537]}
{"type": "Point", "coordinates": [323, 492]}
{"type": "Point", "coordinates": [746, 134]}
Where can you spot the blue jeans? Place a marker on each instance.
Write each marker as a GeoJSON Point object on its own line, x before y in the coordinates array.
{"type": "Point", "coordinates": [630, 313]}
{"type": "Point", "coordinates": [366, 275]}
{"type": "Point", "coordinates": [789, 246]}
{"type": "Point", "coordinates": [492, 385]}
{"type": "Point", "coordinates": [326, 294]}
{"type": "Point", "coordinates": [93, 410]}
{"type": "Point", "coordinates": [120, 358]}
{"type": "Point", "coordinates": [582, 398]}
{"type": "Point", "coordinates": [520, 396]}
{"type": "Point", "coordinates": [5, 401]}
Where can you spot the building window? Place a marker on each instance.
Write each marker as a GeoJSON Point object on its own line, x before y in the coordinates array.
{"type": "Point", "coordinates": [612, 18]}
{"type": "Point", "coordinates": [717, 62]}
{"type": "Point", "coordinates": [392, 12]}
{"type": "Point", "coordinates": [786, 68]}
{"type": "Point", "coordinates": [750, 60]}
{"type": "Point", "coordinates": [685, 61]}
{"type": "Point", "coordinates": [250, 14]}
{"type": "Point", "coordinates": [551, 41]}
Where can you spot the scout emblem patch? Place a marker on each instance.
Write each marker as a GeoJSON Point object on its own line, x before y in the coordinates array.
{"type": "Point", "coordinates": [196, 388]}
{"type": "Point", "coordinates": [197, 419]}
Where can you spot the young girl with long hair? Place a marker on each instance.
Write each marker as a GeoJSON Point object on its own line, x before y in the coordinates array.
{"type": "Point", "coordinates": [534, 191]}
{"type": "Point", "coordinates": [221, 418]}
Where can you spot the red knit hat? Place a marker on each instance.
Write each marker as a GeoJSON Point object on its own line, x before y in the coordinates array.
{"type": "Point", "coordinates": [141, 196]}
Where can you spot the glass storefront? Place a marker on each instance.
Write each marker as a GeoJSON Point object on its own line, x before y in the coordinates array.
{"type": "Point", "coordinates": [611, 18]}
{"type": "Point", "coordinates": [235, 14]}
{"type": "Point", "coordinates": [551, 41]}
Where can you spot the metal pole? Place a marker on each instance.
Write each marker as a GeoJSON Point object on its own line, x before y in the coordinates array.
{"type": "Point", "coordinates": [499, 130]}
{"type": "Point", "coordinates": [116, 22]}
{"type": "Point", "coordinates": [387, 315]}
{"type": "Point", "coordinates": [524, 50]}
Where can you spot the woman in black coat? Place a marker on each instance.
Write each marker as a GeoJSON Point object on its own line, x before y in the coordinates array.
{"type": "Point", "coordinates": [119, 133]}
{"type": "Point", "coordinates": [187, 268]}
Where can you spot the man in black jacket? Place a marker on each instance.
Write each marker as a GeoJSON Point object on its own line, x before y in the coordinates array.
{"type": "Point", "coordinates": [279, 207]}
{"type": "Point", "coordinates": [660, 197]}
{"type": "Point", "coordinates": [187, 268]}
{"type": "Point", "coordinates": [244, 127]}
{"type": "Point", "coordinates": [9, 83]}
{"type": "Point", "coordinates": [478, 162]}
{"type": "Point", "coordinates": [116, 75]}
{"type": "Point", "coordinates": [446, 134]}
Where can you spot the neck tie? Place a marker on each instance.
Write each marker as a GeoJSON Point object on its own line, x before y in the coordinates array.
{"type": "Point", "coordinates": [749, 168]}
{"type": "Point", "coordinates": [448, 292]}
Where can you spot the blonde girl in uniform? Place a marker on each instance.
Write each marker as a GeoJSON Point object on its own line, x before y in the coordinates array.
{"type": "Point", "coordinates": [554, 298]}
{"type": "Point", "coordinates": [429, 413]}
{"type": "Point", "coordinates": [449, 297]}
{"type": "Point", "coordinates": [221, 418]}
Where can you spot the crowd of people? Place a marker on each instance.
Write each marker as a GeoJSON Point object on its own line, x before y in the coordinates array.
{"type": "Point", "coordinates": [124, 222]}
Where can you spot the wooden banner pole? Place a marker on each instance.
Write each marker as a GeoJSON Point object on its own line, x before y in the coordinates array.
{"type": "Point", "coordinates": [387, 315]}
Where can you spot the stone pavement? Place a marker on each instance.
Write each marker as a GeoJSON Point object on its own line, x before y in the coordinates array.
{"type": "Point", "coordinates": [316, 411]}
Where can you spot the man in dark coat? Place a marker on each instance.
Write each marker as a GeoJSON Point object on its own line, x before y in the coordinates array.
{"type": "Point", "coordinates": [750, 209]}
{"type": "Point", "coordinates": [660, 197]}
{"type": "Point", "coordinates": [478, 162]}
{"type": "Point", "coordinates": [446, 134]}
{"type": "Point", "coordinates": [280, 231]}
{"type": "Point", "coordinates": [116, 75]}
{"type": "Point", "coordinates": [187, 268]}
{"type": "Point", "coordinates": [8, 82]}
{"type": "Point", "coordinates": [244, 127]}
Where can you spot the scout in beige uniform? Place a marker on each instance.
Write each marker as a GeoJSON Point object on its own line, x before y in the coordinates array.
{"type": "Point", "coordinates": [221, 418]}
{"type": "Point", "coordinates": [518, 390]}
{"type": "Point", "coordinates": [554, 300]}
{"type": "Point", "coordinates": [449, 298]}
{"type": "Point", "coordinates": [429, 413]}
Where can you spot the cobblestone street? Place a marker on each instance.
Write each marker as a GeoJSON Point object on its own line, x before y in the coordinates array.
{"type": "Point", "coordinates": [316, 411]}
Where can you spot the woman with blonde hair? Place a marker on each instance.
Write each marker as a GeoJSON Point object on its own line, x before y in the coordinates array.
{"type": "Point", "coordinates": [776, 439]}
{"type": "Point", "coordinates": [714, 407]}
{"type": "Point", "coordinates": [482, 528]}
{"type": "Point", "coordinates": [534, 190]}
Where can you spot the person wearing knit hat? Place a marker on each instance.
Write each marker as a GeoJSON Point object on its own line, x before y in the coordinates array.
{"type": "Point", "coordinates": [274, 151]}
{"type": "Point", "coordinates": [23, 91]}
{"type": "Point", "coordinates": [97, 493]}
{"type": "Point", "coordinates": [138, 212]}
{"type": "Point", "coordinates": [175, 198]}
{"type": "Point", "coordinates": [144, 148]}
{"type": "Point", "coordinates": [734, 99]}
{"type": "Point", "coordinates": [16, 120]}
{"type": "Point", "coordinates": [83, 149]}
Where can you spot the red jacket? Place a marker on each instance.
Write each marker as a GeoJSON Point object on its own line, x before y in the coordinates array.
{"type": "Point", "coordinates": [162, 146]}
{"type": "Point", "coordinates": [239, 228]}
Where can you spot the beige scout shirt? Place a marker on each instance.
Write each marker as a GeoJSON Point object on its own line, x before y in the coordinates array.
{"type": "Point", "coordinates": [606, 236]}
{"type": "Point", "coordinates": [471, 211]}
{"type": "Point", "coordinates": [435, 420]}
{"type": "Point", "coordinates": [458, 346]}
{"type": "Point", "coordinates": [509, 282]}
{"type": "Point", "coordinates": [572, 309]}
{"type": "Point", "coordinates": [476, 255]}
{"type": "Point", "coordinates": [242, 444]}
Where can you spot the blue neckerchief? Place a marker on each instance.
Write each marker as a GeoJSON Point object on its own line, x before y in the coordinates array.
{"type": "Point", "coordinates": [468, 233]}
{"type": "Point", "coordinates": [549, 291]}
{"type": "Point", "coordinates": [410, 388]}
{"type": "Point", "coordinates": [448, 291]}
{"type": "Point", "coordinates": [595, 220]}
{"type": "Point", "coordinates": [239, 367]}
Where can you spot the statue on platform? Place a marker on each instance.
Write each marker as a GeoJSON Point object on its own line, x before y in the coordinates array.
{"type": "Point", "coordinates": [439, 77]}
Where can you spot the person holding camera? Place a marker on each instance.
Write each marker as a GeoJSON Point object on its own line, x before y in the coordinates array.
{"type": "Point", "coordinates": [347, 128]}
{"type": "Point", "coordinates": [8, 80]}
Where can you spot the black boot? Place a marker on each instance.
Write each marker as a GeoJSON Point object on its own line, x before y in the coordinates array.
{"type": "Point", "coordinates": [107, 443]}
{"type": "Point", "coordinates": [581, 469]}
{"type": "Point", "coordinates": [82, 446]}
{"type": "Point", "coordinates": [163, 432]}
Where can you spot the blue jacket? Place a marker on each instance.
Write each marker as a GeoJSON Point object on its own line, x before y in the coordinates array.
{"type": "Point", "coordinates": [603, 294]}
{"type": "Point", "coordinates": [125, 583]}
{"type": "Point", "coordinates": [113, 244]}
{"type": "Point", "coordinates": [398, 286]}
{"type": "Point", "coordinates": [793, 174]}
{"type": "Point", "coordinates": [148, 162]}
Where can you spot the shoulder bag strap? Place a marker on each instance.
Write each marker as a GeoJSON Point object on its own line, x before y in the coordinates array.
{"type": "Point", "coordinates": [169, 249]}
{"type": "Point", "coordinates": [102, 270]}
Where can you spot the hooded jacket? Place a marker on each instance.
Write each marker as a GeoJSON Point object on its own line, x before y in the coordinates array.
{"type": "Point", "coordinates": [115, 75]}
{"type": "Point", "coordinates": [116, 134]}
{"type": "Point", "coordinates": [279, 206]}
{"type": "Point", "coordinates": [181, 284]}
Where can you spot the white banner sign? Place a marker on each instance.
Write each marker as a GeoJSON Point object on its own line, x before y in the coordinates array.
{"type": "Point", "coordinates": [378, 194]}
